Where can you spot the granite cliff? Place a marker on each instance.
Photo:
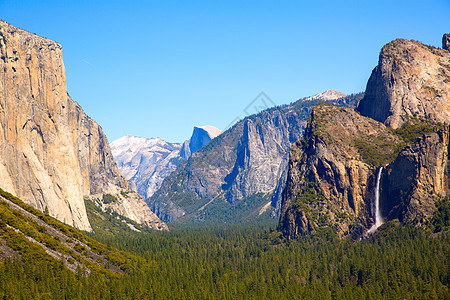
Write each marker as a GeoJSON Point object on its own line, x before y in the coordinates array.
{"type": "Point", "coordinates": [417, 179]}
{"type": "Point", "coordinates": [52, 154]}
{"type": "Point", "coordinates": [411, 88]}
{"type": "Point", "coordinates": [331, 175]}
{"type": "Point", "coordinates": [201, 136]}
{"type": "Point", "coordinates": [411, 80]}
{"type": "Point", "coordinates": [402, 127]}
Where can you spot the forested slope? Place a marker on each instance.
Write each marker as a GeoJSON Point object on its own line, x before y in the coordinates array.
{"type": "Point", "coordinates": [232, 262]}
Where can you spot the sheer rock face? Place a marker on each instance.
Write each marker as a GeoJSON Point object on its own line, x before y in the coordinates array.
{"type": "Point", "coordinates": [51, 153]}
{"type": "Point", "coordinates": [411, 80]}
{"type": "Point", "coordinates": [417, 178]}
{"type": "Point", "coordinates": [262, 156]}
{"type": "Point", "coordinates": [329, 165]}
{"type": "Point", "coordinates": [201, 136]}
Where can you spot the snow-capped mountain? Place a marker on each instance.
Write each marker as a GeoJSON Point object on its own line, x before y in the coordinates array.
{"type": "Point", "coordinates": [327, 95]}
{"type": "Point", "coordinates": [145, 162]}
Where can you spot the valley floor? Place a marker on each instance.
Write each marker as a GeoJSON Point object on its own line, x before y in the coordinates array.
{"type": "Point", "coordinates": [249, 263]}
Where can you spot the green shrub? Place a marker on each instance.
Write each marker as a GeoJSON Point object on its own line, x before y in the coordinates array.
{"type": "Point", "coordinates": [70, 260]}
{"type": "Point", "coordinates": [108, 198]}
{"type": "Point", "coordinates": [377, 152]}
{"type": "Point", "coordinates": [79, 248]}
{"type": "Point", "coordinates": [414, 128]}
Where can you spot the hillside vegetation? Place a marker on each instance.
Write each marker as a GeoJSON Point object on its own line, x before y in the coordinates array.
{"type": "Point", "coordinates": [219, 263]}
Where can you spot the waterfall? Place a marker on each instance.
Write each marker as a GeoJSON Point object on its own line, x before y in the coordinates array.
{"type": "Point", "coordinates": [378, 218]}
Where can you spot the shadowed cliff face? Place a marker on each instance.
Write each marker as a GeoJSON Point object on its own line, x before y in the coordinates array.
{"type": "Point", "coordinates": [411, 80]}
{"type": "Point", "coordinates": [446, 42]}
{"type": "Point", "coordinates": [332, 172]}
{"type": "Point", "coordinates": [51, 153]}
{"type": "Point", "coordinates": [201, 136]}
{"type": "Point", "coordinates": [417, 179]}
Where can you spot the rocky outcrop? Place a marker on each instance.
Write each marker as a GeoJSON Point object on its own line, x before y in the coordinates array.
{"type": "Point", "coordinates": [411, 85]}
{"type": "Point", "coordinates": [201, 136]}
{"type": "Point", "coordinates": [331, 176]}
{"type": "Point", "coordinates": [411, 80]}
{"type": "Point", "coordinates": [242, 165]}
{"type": "Point", "coordinates": [417, 178]}
{"type": "Point", "coordinates": [185, 151]}
{"type": "Point", "coordinates": [130, 205]}
{"type": "Point", "coordinates": [446, 41]}
{"type": "Point", "coordinates": [51, 153]}
{"type": "Point", "coordinates": [331, 173]}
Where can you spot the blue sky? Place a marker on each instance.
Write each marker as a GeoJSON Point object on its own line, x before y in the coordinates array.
{"type": "Point", "coordinates": [157, 68]}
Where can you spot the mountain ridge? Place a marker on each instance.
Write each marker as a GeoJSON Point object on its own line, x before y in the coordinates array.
{"type": "Point", "coordinates": [232, 169]}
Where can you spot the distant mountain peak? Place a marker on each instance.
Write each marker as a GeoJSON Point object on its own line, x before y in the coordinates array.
{"type": "Point", "coordinates": [145, 162]}
{"type": "Point", "coordinates": [327, 95]}
{"type": "Point", "coordinates": [201, 135]}
{"type": "Point", "coordinates": [211, 130]}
